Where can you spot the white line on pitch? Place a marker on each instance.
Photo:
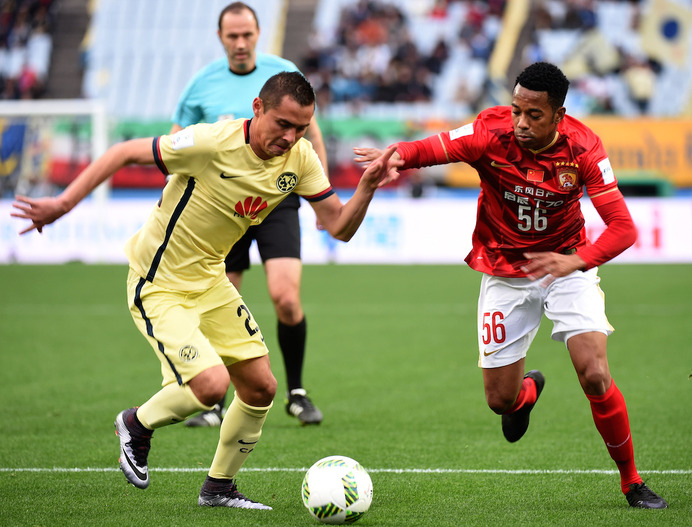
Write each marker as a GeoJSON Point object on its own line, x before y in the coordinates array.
{"type": "Point", "coordinates": [371, 470]}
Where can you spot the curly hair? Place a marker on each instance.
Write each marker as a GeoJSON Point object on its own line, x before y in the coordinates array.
{"type": "Point", "coordinates": [291, 83]}
{"type": "Point", "coordinates": [543, 76]}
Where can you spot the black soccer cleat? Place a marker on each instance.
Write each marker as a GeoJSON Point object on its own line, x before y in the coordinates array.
{"type": "Point", "coordinates": [210, 418]}
{"type": "Point", "coordinates": [134, 450]}
{"type": "Point", "coordinates": [299, 405]}
{"type": "Point", "coordinates": [228, 497]}
{"type": "Point", "coordinates": [642, 497]}
{"type": "Point", "coordinates": [514, 425]}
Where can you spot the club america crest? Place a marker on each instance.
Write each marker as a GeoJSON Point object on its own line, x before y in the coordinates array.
{"type": "Point", "coordinates": [286, 182]}
{"type": "Point", "coordinates": [188, 353]}
{"type": "Point", "coordinates": [567, 174]}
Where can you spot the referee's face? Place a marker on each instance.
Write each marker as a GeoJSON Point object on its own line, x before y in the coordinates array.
{"type": "Point", "coordinates": [239, 34]}
{"type": "Point", "coordinates": [274, 132]}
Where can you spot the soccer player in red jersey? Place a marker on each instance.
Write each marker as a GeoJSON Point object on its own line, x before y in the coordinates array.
{"type": "Point", "coordinates": [530, 243]}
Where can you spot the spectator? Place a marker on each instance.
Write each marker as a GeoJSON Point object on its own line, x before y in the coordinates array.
{"type": "Point", "coordinates": [25, 47]}
{"type": "Point", "coordinates": [640, 78]}
{"type": "Point", "coordinates": [373, 58]}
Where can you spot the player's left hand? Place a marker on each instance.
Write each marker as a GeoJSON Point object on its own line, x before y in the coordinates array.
{"type": "Point", "coordinates": [550, 264]}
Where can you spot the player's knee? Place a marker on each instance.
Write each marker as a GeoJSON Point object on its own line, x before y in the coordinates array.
{"type": "Point", "coordinates": [267, 389]}
{"type": "Point", "coordinates": [211, 386]}
{"type": "Point", "coordinates": [288, 308]}
{"type": "Point", "coordinates": [499, 402]}
{"type": "Point", "coordinates": [595, 380]}
{"type": "Point", "coordinates": [260, 393]}
{"type": "Point", "coordinates": [212, 394]}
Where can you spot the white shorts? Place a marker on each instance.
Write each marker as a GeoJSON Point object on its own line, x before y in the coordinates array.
{"type": "Point", "coordinates": [510, 311]}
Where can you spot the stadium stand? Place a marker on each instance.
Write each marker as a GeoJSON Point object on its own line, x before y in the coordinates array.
{"type": "Point", "coordinates": [25, 47]}
{"type": "Point", "coordinates": [613, 52]}
{"type": "Point", "coordinates": [141, 54]}
{"type": "Point", "coordinates": [397, 58]}
{"type": "Point", "coordinates": [611, 49]}
{"type": "Point", "coordinates": [418, 58]}
{"type": "Point", "coordinates": [407, 64]}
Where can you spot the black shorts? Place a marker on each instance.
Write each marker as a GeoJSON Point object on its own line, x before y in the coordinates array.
{"type": "Point", "coordinates": [278, 236]}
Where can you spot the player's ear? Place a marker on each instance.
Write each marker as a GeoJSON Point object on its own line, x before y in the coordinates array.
{"type": "Point", "coordinates": [257, 106]}
{"type": "Point", "coordinates": [560, 114]}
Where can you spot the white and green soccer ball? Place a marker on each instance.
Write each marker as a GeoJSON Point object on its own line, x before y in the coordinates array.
{"type": "Point", "coordinates": [337, 489]}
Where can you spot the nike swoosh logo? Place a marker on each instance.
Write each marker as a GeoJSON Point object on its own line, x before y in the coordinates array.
{"type": "Point", "coordinates": [247, 442]}
{"type": "Point", "coordinates": [224, 176]}
{"type": "Point", "coordinates": [499, 165]}
{"type": "Point", "coordinates": [488, 354]}
{"type": "Point", "coordinates": [141, 475]}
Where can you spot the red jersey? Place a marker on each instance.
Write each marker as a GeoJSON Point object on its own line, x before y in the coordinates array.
{"type": "Point", "coordinates": [529, 199]}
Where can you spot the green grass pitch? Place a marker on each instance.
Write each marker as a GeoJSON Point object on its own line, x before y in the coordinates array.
{"type": "Point", "coordinates": [392, 364]}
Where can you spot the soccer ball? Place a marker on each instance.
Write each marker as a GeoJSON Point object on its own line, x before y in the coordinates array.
{"type": "Point", "coordinates": [337, 489]}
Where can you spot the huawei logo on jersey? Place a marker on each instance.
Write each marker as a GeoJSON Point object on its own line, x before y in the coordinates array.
{"type": "Point", "coordinates": [567, 174]}
{"type": "Point", "coordinates": [250, 207]}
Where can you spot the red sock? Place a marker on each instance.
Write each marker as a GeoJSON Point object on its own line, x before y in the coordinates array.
{"type": "Point", "coordinates": [610, 416]}
{"type": "Point", "coordinates": [527, 395]}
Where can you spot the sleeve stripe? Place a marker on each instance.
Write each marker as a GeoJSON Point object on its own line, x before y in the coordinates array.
{"type": "Point", "coordinates": [157, 156]}
{"type": "Point", "coordinates": [607, 196]}
{"type": "Point", "coordinates": [444, 147]}
{"type": "Point", "coordinates": [322, 195]}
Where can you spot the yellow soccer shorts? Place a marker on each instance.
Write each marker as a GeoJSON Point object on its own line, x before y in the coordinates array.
{"type": "Point", "coordinates": [193, 331]}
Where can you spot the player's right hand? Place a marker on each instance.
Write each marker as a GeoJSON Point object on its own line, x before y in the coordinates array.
{"type": "Point", "coordinates": [382, 169]}
{"type": "Point", "coordinates": [41, 211]}
{"type": "Point", "coordinates": [368, 155]}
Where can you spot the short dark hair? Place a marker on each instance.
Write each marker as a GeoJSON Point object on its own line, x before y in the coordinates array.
{"type": "Point", "coordinates": [543, 76]}
{"type": "Point", "coordinates": [291, 83]}
{"type": "Point", "coordinates": [237, 7]}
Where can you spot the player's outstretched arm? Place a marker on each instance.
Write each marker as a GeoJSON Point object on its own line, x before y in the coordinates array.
{"type": "Point", "coordinates": [367, 155]}
{"type": "Point", "coordinates": [342, 220]}
{"type": "Point", "coordinates": [43, 211]}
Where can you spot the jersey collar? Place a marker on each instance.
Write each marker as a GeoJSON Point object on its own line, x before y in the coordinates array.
{"type": "Point", "coordinates": [247, 131]}
{"type": "Point", "coordinates": [243, 73]}
{"type": "Point", "coordinates": [557, 135]}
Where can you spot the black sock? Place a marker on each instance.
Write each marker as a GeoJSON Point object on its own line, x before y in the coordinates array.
{"type": "Point", "coordinates": [215, 485]}
{"type": "Point", "coordinates": [136, 426]}
{"type": "Point", "coordinates": [292, 344]}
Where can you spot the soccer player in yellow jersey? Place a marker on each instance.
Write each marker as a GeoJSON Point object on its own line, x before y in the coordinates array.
{"type": "Point", "coordinates": [242, 71]}
{"type": "Point", "coordinates": [226, 177]}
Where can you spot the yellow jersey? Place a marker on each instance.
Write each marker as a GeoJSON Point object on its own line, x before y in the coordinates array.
{"type": "Point", "coordinates": [217, 189]}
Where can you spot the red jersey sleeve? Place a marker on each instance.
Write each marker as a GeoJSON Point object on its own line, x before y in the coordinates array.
{"type": "Point", "coordinates": [620, 233]}
{"type": "Point", "coordinates": [461, 144]}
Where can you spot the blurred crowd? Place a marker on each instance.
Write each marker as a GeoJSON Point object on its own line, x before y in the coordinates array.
{"type": "Point", "coordinates": [373, 57]}
{"type": "Point", "coordinates": [383, 51]}
{"type": "Point", "coordinates": [610, 73]}
{"type": "Point", "coordinates": [25, 47]}
{"type": "Point", "coordinates": [377, 53]}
